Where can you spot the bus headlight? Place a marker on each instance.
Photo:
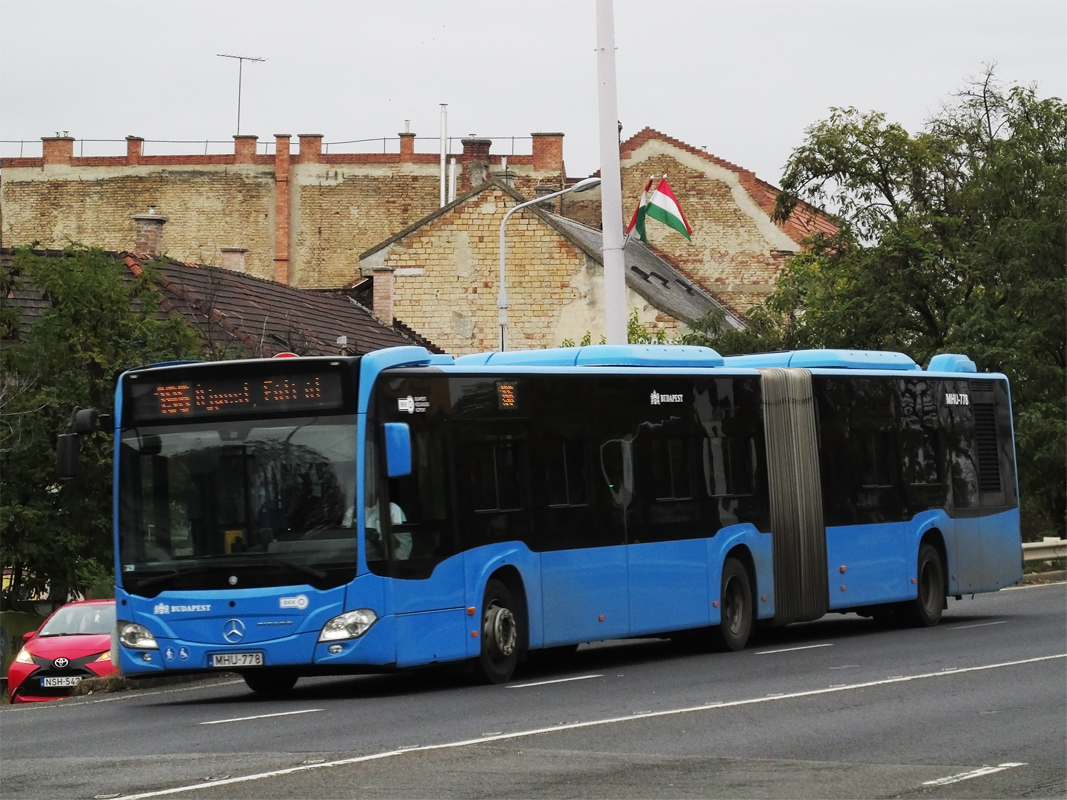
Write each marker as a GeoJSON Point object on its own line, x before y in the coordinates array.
{"type": "Point", "coordinates": [348, 626]}
{"type": "Point", "coordinates": [136, 636]}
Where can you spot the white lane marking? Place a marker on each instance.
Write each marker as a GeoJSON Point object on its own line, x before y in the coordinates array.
{"type": "Point", "coordinates": [590, 724]}
{"type": "Point", "coordinates": [1029, 586]}
{"type": "Point", "coordinates": [260, 716]}
{"type": "Point", "coordinates": [111, 698]}
{"type": "Point", "coordinates": [976, 625]}
{"type": "Point", "coordinates": [977, 773]}
{"type": "Point", "coordinates": [791, 649]}
{"type": "Point", "coordinates": [546, 683]}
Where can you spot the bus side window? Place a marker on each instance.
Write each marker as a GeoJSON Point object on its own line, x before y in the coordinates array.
{"type": "Point", "coordinates": [729, 466]}
{"type": "Point", "coordinates": [566, 473]}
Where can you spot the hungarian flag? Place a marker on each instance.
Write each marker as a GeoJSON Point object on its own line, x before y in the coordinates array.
{"type": "Point", "coordinates": [663, 206]}
{"type": "Point", "coordinates": [660, 205]}
{"type": "Point", "coordinates": [637, 221]}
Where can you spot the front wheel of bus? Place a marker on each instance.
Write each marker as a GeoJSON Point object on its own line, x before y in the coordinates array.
{"type": "Point", "coordinates": [736, 611]}
{"type": "Point", "coordinates": [925, 610]}
{"type": "Point", "coordinates": [501, 635]}
{"type": "Point", "coordinates": [270, 683]}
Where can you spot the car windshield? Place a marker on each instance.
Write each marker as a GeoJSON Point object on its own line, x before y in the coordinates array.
{"type": "Point", "coordinates": [264, 502]}
{"type": "Point", "coordinates": [75, 620]}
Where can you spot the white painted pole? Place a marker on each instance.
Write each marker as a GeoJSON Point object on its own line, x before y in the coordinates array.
{"type": "Point", "coordinates": [611, 186]}
{"type": "Point", "coordinates": [444, 149]}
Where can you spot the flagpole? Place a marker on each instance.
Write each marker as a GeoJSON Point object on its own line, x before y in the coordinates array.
{"type": "Point", "coordinates": [611, 186]}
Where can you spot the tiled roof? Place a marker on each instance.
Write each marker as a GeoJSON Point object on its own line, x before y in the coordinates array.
{"type": "Point", "coordinates": [263, 317]}
{"type": "Point", "coordinates": [805, 219]}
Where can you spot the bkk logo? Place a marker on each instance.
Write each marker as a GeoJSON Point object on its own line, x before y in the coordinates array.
{"type": "Point", "coordinates": [299, 602]}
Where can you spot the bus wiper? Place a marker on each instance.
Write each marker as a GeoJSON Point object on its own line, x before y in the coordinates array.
{"type": "Point", "coordinates": [166, 576]}
{"type": "Point", "coordinates": [281, 562]}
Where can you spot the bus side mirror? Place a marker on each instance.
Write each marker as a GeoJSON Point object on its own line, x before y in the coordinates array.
{"type": "Point", "coordinates": [84, 420]}
{"type": "Point", "coordinates": [68, 448]}
{"type": "Point", "coordinates": [397, 449]}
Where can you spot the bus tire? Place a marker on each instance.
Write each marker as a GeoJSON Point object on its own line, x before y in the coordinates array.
{"type": "Point", "coordinates": [925, 610]}
{"type": "Point", "coordinates": [273, 683]}
{"type": "Point", "coordinates": [501, 633]}
{"type": "Point", "coordinates": [736, 607]}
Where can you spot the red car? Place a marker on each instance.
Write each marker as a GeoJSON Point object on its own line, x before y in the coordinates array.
{"type": "Point", "coordinates": [72, 644]}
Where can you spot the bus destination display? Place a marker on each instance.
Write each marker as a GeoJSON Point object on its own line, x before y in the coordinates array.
{"type": "Point", "coordinates": [165, 401]}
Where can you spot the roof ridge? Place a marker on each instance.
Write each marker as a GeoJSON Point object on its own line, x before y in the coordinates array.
{"type": "Point", "coordinates": [647, 133]}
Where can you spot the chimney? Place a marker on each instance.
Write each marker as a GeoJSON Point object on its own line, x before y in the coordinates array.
{"type": "Point", "coordinates": [244, 149]}
{"type": "Point", "coordinates": [149, 240]}
{"type": "Point", "coordinates": [382, 300]}
{"type": "Point", "coordinates": [548, 153]}
{"type": "Point", "coordinates": [58, 149]}
{"type": "Point", "coordinates": [476, 156]}
{"type": "Point", "coordinates": [310, 148]}
{"type": "Point", "coordinates": [407, 146]}
{"type": "Point", "coordinates": [134, 150]}
{"type": "Point", "coordinates": [233, 258]}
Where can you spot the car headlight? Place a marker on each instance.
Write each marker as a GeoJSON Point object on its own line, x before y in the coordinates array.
{"type": "Point", "coordinates": [105, 656]}
{"type": "Point", "coordinates": [348, 626]}
{"type": "Point", "coordinates": [24, 657]}
{"type": "Point", "coordinates": [136, 636]}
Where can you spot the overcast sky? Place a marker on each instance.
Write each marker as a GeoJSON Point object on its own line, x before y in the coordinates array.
{"type": "Point", "coordinates": [742, 79]}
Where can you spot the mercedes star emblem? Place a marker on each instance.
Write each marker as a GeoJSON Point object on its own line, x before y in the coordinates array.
{"type": "Point", "coordinates": [233, 631]}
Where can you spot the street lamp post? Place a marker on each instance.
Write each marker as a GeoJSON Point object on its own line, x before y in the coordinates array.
{"type": "Point", "coordinates": [502, 295]}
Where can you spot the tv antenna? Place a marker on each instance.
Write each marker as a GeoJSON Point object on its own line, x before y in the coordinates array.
{"type": "Point", "coordinates": [240, 69]}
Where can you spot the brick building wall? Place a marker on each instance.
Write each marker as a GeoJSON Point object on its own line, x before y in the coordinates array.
{"type": "Point", "coordinates": [445, 279]}
{"type": "Point", "coordinates": [301, 218]}
{"type": "Point", "coordinates": [736, 251]}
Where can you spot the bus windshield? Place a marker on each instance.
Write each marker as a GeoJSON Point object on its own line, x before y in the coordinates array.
{"type": "Point", "coordinates": [238, 504]}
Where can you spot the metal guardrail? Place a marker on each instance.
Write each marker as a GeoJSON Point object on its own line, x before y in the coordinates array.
{"type": "Point", "coordinates": [1045, 550]}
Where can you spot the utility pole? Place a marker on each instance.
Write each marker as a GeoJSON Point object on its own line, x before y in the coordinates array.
{"type": "Point", "coordinates": [240, 69]}
{"type": "Point", "coordinates": [611, 187]}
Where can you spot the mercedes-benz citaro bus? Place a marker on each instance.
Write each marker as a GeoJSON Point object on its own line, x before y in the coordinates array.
{"type": "Point", "coordinates": [306, 516]}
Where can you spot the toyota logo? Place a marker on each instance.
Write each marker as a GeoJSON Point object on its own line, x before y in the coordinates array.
{"type": "Point", "coordinates": [233, 631]}
{"type": "Point", "coordinates": [61, 663]}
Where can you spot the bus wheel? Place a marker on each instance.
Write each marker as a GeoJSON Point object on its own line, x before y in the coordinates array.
{"type": "Point", "coordinates": [270, 682]}
{"type": "Point", "coordinates": [736, 610]}
{"type": "Point", "coordinates": [925, 610]}
{"type": "Point", "coordinates": [500, 634]}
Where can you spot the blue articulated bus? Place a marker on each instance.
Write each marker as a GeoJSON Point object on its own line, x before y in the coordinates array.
{"type": "Point", "coordinates": [301, 516]}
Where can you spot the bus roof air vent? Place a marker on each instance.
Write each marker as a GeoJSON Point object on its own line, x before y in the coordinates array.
{"type": "Point", "coordinates": [600, 355]}
{"type": "Point", "coordinates": [648, 355]}
{"type": "Point", "coordinates": [827, 359]}
{"type": "Point", "coordinates": [555, 357]}
{"type": "Point", "coordinates": [951, 362]}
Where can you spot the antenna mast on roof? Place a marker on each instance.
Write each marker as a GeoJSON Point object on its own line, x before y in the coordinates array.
{"type": "Point", "coordinates": [240, 69]}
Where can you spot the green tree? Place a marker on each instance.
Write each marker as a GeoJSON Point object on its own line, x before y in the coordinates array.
{"type": "Point", "coordinates": [951, 240]}
{"type": "Point", "coordinates": [96, 323]}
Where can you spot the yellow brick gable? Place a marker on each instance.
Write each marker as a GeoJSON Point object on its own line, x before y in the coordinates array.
{"type": "Point", "coordinates": [446, 280]}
